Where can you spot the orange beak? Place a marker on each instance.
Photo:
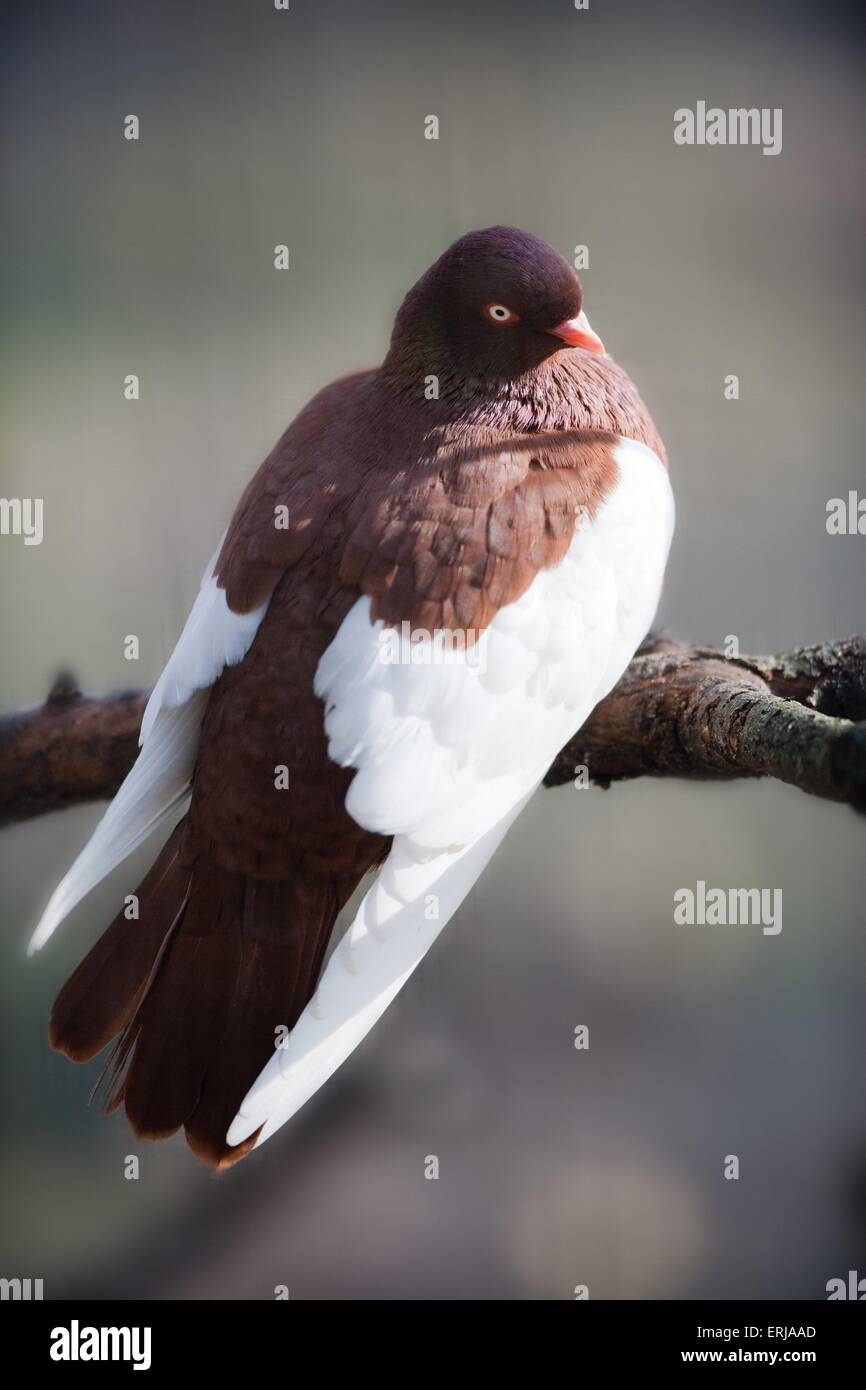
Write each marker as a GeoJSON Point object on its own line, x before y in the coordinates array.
{"type": "Point", "coordinates": [577, 333]}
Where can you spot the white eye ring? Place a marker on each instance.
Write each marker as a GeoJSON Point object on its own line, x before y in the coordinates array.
{"type": "Point", "coordinates": [500, 313]}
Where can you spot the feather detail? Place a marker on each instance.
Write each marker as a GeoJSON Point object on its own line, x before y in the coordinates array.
{"type": "Point", "coordinates": [414, 897]}
{"type": "Point", "coordinates": [156, 788]}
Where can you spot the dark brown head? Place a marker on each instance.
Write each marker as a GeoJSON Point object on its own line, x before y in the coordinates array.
{"type": "Point", "coordinates": [493, 307]}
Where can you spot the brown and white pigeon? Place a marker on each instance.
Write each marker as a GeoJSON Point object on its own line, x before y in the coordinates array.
{"type": "Point", "coordinates": [439, 570]}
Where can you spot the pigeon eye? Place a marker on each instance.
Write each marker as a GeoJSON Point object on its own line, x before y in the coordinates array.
{"type": "Point", "coordinates": [500, 313]}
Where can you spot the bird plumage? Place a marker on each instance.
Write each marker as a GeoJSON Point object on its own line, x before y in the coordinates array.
{"type": "Point", "coordinates": [526, 510]}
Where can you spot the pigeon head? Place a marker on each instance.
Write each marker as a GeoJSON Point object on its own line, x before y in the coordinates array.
{"type": "Point", "coordinates": [493, 307]}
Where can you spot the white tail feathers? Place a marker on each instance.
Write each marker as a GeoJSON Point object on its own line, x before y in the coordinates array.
{"type": "Point", "coordinates": [415, 895]}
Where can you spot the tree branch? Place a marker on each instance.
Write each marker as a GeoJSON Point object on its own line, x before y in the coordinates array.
{"type": "Point", "coordinates": [73, 748]}
{"type": "Point", "coordinates": [683, 711]}
{"type": "Point", "coordinates": [679, 711]}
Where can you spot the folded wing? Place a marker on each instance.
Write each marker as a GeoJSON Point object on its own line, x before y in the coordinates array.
{"type": "Point", "coordinates": [448, 745]}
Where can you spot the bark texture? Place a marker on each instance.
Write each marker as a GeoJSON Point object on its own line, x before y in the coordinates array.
{"type": "Point", "coordinates": [679, 711]}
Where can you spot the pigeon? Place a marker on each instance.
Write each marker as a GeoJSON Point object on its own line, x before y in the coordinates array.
{"type": "Point", "coordinates": [435, 575]}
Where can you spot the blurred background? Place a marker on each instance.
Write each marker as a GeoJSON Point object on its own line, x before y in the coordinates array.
{"type": "Point", "coordinates": [155, 257]}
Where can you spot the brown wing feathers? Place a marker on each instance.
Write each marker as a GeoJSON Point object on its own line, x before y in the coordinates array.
{"type": "Point", "coordinates": [477, 528]}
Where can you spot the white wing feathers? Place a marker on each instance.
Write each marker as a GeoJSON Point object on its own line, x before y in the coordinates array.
{"type": "Point", "coordinates": [448, 752]}
{"type": "Point", "coordinates": [158, 783]}
{"type": "Point", "coordinates": [412, 899]}
{"type": "Point", "coordinates": [213, 637]}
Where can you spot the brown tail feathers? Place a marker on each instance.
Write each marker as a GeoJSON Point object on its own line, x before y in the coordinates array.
{"type": "Point", "coordinates": [194, 990]}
